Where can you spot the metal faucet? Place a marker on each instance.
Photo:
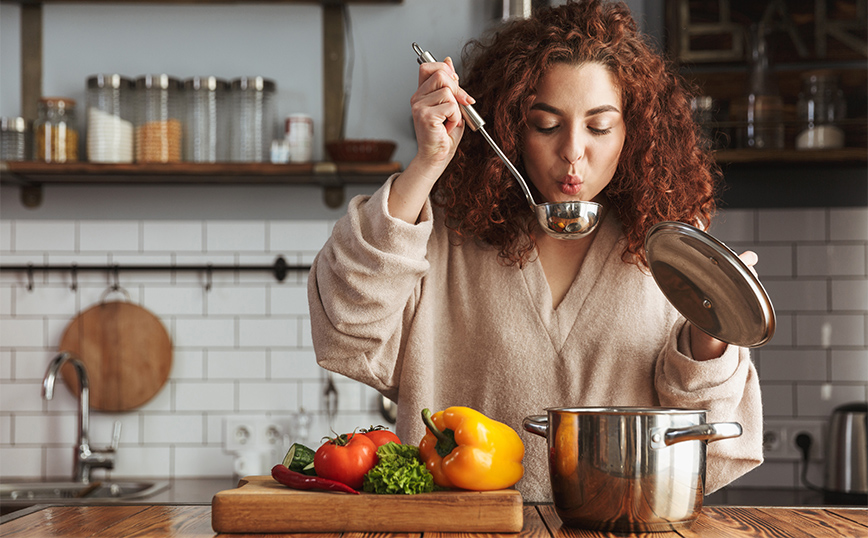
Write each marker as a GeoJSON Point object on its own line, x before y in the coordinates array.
{"type": "Point", "coordinates": [85, 458]}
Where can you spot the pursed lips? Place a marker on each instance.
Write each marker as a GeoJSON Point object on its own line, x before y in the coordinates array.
{"type": "Point", "coordinates": [571, 179]}
{"type": "Point", "coordinates": [570, 184]}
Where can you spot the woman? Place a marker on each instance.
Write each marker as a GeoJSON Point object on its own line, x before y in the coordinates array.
{"type": "Point", "coordinates": [441, 289]}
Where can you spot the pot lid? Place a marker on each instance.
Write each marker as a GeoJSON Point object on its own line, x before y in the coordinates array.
{"type": "Point", "coordinates": [709, 284]}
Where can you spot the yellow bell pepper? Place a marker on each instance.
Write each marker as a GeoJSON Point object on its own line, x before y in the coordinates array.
{"type": "Point", "coordinates": [465, 449]}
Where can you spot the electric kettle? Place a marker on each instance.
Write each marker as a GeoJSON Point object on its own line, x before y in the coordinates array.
{"type": "Point", "coordinates": [847, 455]}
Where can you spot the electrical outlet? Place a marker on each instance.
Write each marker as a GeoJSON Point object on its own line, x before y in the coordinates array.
{"type": "Point", "coordinates": [239, 433]}
{"type": "Point", "coordinates": [780, 439]}
{"type": "Point", "coordinates": [815, 432]}
{"type": "Point", "coordinates": [253, 433]}
{"type": "Point", "coordinates": [271, 433]}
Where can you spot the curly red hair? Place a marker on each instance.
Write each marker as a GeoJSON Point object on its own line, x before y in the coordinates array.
{"type": "Point", "coordinates": [664, 172]}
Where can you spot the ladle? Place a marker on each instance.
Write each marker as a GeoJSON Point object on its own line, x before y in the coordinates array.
{"type": "Point", "coordinates": [563, 220]}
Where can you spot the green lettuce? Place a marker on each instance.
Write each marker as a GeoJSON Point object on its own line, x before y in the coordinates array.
{"type": "Point", "coordinates": [399, 471]}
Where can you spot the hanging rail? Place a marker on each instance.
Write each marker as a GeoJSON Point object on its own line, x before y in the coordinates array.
{"type": "Point", "coordinates": [279, 269]}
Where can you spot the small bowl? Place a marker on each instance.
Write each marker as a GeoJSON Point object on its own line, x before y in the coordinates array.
{"type": "Point", "coordinates": [360, 150]}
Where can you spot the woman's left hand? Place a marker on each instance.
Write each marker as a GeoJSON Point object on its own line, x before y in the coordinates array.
{"type": "Point", "coordinates": [703, 346]}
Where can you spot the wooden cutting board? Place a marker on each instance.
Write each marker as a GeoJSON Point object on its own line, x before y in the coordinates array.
{"type": "Point", "coordinates": [262, 505]}
{"type": "Point", "coordinates": [126, 350]}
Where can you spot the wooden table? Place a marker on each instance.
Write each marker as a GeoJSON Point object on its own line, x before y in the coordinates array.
{"type": "Point", "coordinates": [540, 521]}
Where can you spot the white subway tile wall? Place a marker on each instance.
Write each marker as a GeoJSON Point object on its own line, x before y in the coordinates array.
{"type": "Point", "coordinates": [814, 266]}
{"type": "Point", "coordinates": [243, 349]}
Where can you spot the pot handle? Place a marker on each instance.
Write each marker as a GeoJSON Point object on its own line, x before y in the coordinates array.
{"type": "Point", "coordinates": [663, 437]}
{"type": "Point", "coordinates": [538, 424]}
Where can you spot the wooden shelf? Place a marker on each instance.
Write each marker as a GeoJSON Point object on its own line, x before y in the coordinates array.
{"type": "Point", "coordinates": [323, 173]}
{"type": "Point", "coordinates": [323, 2]}
{"type": "Point", "coordinates": [32, 176]}
{"type": "Point", "coordinates": [27, 173]}
{"type": "Point", "coordinates": [843, 156]}
{"type": "Point", "coordinates": [748, 182]}
{"type": "Point", "coordinates": [320, 173]}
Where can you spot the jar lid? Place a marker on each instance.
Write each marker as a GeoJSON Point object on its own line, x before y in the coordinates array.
{"type": "Point", "coordinates": [58, 102]}
{"type": "Point", "coordinates": [109, 81]}
{"type": "Point", "coordinates": [299, 116]}
{"type": "Point", "coordinates": [162, 82]}
{"type": "Point", "coordinates": [13, 124]}
{"type": "Point", "coordinates": [206, 83]}
{"type": "Point", "coordinates": [254, 83]}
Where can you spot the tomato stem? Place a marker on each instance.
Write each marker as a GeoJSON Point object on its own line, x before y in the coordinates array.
{"type": "Point", "coordinates": [341, 439]}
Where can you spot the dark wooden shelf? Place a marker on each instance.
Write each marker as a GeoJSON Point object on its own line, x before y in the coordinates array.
{"type": "Point", "coordinates": [843, 156]}
{"type": "Point", "coordinates": [800, 178]}
{"type": "Point", "coordinates": [32, 2]}
{"type": "Point", "coordinates": [324, 173]}
{"type": "Point", "coordinates": [32, 176]}
{"type": "Point", "coordinates": [320, 173]}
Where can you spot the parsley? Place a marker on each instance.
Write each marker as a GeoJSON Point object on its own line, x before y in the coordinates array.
{"type": "Point", "coordinates": [399, 471]}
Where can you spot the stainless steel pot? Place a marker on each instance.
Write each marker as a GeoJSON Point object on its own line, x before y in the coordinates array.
{"type": "Point", "coordinates": [628, 469]}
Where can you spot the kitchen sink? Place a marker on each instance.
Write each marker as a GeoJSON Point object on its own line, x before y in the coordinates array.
{"type": "Point", "coordinates": [77, 492]}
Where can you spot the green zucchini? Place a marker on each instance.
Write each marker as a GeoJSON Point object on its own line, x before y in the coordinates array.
{"type": "Point", "coordinates": [298, 458]}
{"type": "Point", "coordinates": [309, 470]}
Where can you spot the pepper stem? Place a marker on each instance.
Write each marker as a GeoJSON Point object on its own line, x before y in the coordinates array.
{"type": "Point", "coordinates": [445, 439]}
{"type": "Point", "coordinates": [426, 418]}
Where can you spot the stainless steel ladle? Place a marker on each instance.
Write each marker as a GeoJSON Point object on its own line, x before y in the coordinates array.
{"type": "Point", "coordinates": [563, 220]}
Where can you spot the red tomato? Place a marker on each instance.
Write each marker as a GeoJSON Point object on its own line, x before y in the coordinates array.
{"type": "Point", "coordinates": [380, 436]}
{"type": "Point", "coordinates": [346, 459]}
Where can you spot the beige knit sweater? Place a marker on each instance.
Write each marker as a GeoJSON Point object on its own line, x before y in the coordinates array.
{"type": "Point", "coordinates": [433, 322]}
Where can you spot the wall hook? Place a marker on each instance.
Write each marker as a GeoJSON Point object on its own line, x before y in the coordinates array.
{"type": "Point", "coordinates": [116, 277]}
{"type": "Point", "coordinates": [29, 277]}
{"type": "Point", "coordinates": [208, 275]}
{"type": "Point", "coordinates": [74, 271]}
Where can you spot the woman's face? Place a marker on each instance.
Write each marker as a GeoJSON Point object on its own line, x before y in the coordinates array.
{"type": "Point", "coordinates": [575, 132]}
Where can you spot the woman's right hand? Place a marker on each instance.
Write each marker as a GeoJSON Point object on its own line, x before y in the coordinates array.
{"type": "Point", "coordinates": [439, 125]}
{"type": "Point", "coordinates": [437, 115]}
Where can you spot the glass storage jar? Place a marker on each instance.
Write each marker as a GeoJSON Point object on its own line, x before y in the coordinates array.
{"type": "Point", "coordinates": [820, 107]}
{"type": "Point", "coordinates": [299, 135]}
{"type": "Point", "coordinates": [253, 119]}
{"type": "Point", "coordinates": [55, 136]}
{"type": "Point", "coordinates": [207, 120]}
{"type": "Point", "coordinates": [760, 112]}
{"type": "Point", "coordinates": [158, 119]}
{"type": "Point", "coordinates": [109, 119]}
{"type": "Point", "coordinates": [13, 139]}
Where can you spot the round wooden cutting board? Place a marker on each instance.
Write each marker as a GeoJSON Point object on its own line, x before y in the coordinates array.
{"type": "Point", "coordinates": [127, 353]}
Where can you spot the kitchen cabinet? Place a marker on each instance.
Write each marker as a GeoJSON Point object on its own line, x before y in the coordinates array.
{"type": "Point", "coordinates": [332, 177]}
{"type": "Point", "coordinates": [708, 40]}
{"type": "Point", "coordinates": [540, 521]}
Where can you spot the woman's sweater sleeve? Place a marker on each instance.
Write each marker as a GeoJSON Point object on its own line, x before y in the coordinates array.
{"type": "Point", "coordinates": [728, 388]}
{"type": "Point", "coordinates": [362, 288]}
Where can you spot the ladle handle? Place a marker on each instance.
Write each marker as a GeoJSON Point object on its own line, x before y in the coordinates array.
{"type": "Point", "coordinates": [473, 117]}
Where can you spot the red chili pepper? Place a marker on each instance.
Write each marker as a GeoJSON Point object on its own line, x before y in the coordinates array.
{"type": "Point", "coordinates": [302, 481]}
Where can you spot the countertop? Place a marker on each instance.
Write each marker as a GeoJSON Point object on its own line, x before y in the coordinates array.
{"type": "Point", "coordinates": [540, 521]}
{"type": "Point", "coordinates": [193, 490]}
{"type": "Point", "coordinates": [201, 490]}
{"type": "Point", "coordinates": [180, 490]}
